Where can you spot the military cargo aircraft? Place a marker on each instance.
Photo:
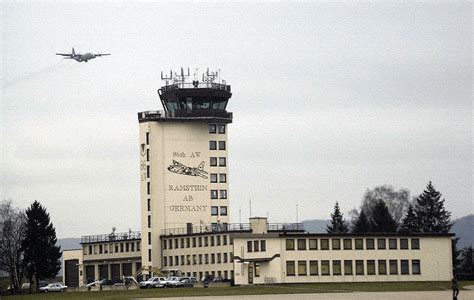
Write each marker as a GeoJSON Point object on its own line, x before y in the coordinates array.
{"type": "Point", "coordinates": [179, 168]}
{"type": "Point", "coordinates": [81, 57]}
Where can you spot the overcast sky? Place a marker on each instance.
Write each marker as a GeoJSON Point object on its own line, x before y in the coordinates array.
{"type": "Point", "coordinates": [329, 99]}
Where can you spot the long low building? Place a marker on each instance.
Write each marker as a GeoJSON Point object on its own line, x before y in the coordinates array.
{"type": "Point", "coordinates": [262, 253]}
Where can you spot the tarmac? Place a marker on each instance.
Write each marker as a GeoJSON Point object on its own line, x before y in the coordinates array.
{"type": "Point", "coordinates": [424, 295]}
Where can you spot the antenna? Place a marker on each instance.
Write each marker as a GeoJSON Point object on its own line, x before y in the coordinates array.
{"type": "Point", "coordinates": [250, 205]}
{"type": "Point", "coordinates": [210, 77]}
{"type": "Point", "coordinates": [240, 215]}
{"type": "Point", "coordinates": [296, 211]}
{"type": "Point", "coordinates": [166, 78]}
{"type": "Point", "coordinates": [181, 78]}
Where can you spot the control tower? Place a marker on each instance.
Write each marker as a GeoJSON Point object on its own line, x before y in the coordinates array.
{"type": "Point", "coordinates": [183, 159]}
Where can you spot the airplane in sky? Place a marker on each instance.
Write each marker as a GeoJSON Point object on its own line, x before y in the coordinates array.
{"type": "Point", "coordinates": [81, 57]}
{"type": "Point", "coordinates": [179, 168]}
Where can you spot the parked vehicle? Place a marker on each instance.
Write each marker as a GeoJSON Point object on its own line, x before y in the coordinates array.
{"type": "Point", "coordinates": [186, 282]}
{"type": "Point", "coordinates": [53, 287]}
{"type": "Point", "coordinates": [173, 282]}
{"type": "Point", "coordinates": [218, 279]}
{"type": "Point", "coordinates": [153, 282]}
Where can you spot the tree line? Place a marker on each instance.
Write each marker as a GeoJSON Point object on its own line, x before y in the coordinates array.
{"type": "Point", "coordinates": [384, 210]}
{"type": "Point", "coordinates": [28, 247]}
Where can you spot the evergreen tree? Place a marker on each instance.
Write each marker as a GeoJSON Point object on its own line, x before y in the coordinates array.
{"type": "Point", "coordinates": [409, 223]}
{"type": "Point", "coordinates": [467, 260]}
{"type": "Point", "coordinates": [430, 212]}
{"type": "Point", "coordinates": [456, 253]}
{"type": "Point", "coordinates": [382, 220]}
{"type": "Point", "coordinates": [41, 255]}
{"type": "Point", "coordinates": [338, 225]}
{"type": "Point", "coordinates": [362, 224]}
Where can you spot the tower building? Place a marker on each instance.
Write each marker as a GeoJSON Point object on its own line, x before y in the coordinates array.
{"type": "Point", "coordinates": [183, 159]}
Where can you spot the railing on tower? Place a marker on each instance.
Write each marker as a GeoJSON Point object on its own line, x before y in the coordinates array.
{"type": "Point", "coordinates": [120, 236]}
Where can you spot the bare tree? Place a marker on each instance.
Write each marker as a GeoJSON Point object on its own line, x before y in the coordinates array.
{"type": "Point", "coordinates": [397, 202]}
{"type": "Point", "coordinates": [12, 229]}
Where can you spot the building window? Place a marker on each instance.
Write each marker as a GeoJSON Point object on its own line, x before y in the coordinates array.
{"type": "Point", "coordinates": [369, 244]}
{"type": "Point", "coordinates": [336, 267]}
{"type": "Point", "coordinates": [212, 128]}
{"type": "Point", "coordinates": [301, 244]}
{"type": "Point", "coordinates": [222, 178]}
{"type": "Point", "coordinates": [212, 240]}
{"type": "Point", "coordinates": [171, 244]}
{"type": "Point", "coordinates": [149, 238]}
{"type": "Point", "coordinates": [148, 205]}
{"type": "Point", "coordinates": [200, 259]}
{"type": "Point", "coordinates": [348, 267]}
{"type": "Point", "coordinates": [359, 267]}
{"type": "Point", "coordinates": [256, 246]}
{"type": "Point", "coordinates": [200, 241]}
{"type": "Point", "coordinates": [149, 255]}
{"type": "Point", "coordinates": [213, 258]}
{"type": "Point", "coordinates": [302, 268]}
{"type": "Point", "coordinates": [188, 260]}
{"type": "Point", "coordinates": [263, 245]}
{"type": "Point", "coordinates": [149, 221]}
{"type": "Point", "coordinates": [404, 269]}
{"type": "Point", "coordinates": [371, 267]}
{"type": "Point", "coordinates": [206, 241]}
{"type": "Point", "coordinates": [336, 244]}
{"type": "Point", "coordinates": [212, 145]}
{"type": "Point", "coordinates": [218, 240]}
{"type": "Point", "coordinates": [147, 171]}
{"type": "Point", "coordinates": [147, 154]}
{"type": "Point", "coordinates": [290, 244]}
{"type": "Point", "coordinates": [100, 249]}
{"type": "Point", "coordinates": [224, 239]}
{"type": "Point", "coordinates": [257, 270]}
{"type": "Point", "coordinates": [213, 162]}
{"type": "Point", "coordinates": [313, 244]}
{"type": "Point", "coordinates": [359, 244]}
{"type": "Point", "coordinates": [392, 244]}
{"type": "Point", "coordinates": [222, 162]}
{"type": "Point", "coordinates": [221, 145]}
{"type": "Point", "coordinates": [313, 267]}
{"type": "Point", "coordinates": [415, 244]}
{"type": "Point", "coordinates": [194, 242]}
{"type": "Point", "coordinates": [138, 246]}
{"type": "Point", "coordinates": [213, 178]}
{"type": "Point", "coordinates": [90, 249]}
{"type": "Point", "coordinates": [132, 246]}
{"type": "Point", "coordinates": [324, 245]}
{"type": "Point", "coordinates": [223, 194]}
{"type": "Point", "coordinates": [221, 128]}
{"type": "Point", "coordinates": [415, 267]}
{"type": "Point", "coordinates": [182, 260]}
{"type": "Point", "coordinates": [325, 267]}
{"type": "Point", "coordinates": [381, 244]}
{"type": "Point", "coordinates": [347, 244]}
{"type": "Point", "coordinates": [404, 244]}
{"type": "Point", "coordinates": [181, 241]}
{"type": "Point", "coordinates": [225, 257]}
{"type": "Point", "coordinates": [213, 194]}
{"type": "Point", "coordinates": [206, 258]}
{"type": "Point", "coordinates": [176, 260]}
{"type": "Point", "coordinates": [382, 267]}
{"type": "Point", "coordinates": [147, 138]}
{"type": "Point", "coordinates": [223, 210]}
{"type": "Point", "coordinates": [188, 243]}
{"type": "Point", "coordinates": [148, 188]}
{"type": "Point", "coordinates": [194, 259]}
{"type": "Point", "coordinates": [393, 267]}
{"type": "Point", "coordinates": [290, 268]}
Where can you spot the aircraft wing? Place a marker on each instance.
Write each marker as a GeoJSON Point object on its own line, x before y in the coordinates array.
{"type": "Point", "coordinates": [101, 54]}
{"type": "Point", "coordinates": [64, 54]}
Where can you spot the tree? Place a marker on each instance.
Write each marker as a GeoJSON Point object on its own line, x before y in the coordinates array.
{"type": "Point", "coordinates": [338, 225]}
{"type": "Point", "coordinates": [456, 253]}
{"type": "Point", "coordinates": [42, 256]}
{"type": "Point", "coordinates": [12, 229]}
{"type": "Point", "coordinates": [410, 222]}
{"type": "Point", "coordinates": [382, 220]}
{"type": "Point", "coordinates": [430, 212]}
{"type": "Point", "coordinates": [467, 260]}
{"type": "Point", "coordinates": [362, 224]}
{"type": "Point", "coordinates": [397, 202]}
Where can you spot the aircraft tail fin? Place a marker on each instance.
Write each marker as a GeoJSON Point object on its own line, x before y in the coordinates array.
{"type": "Point", "coordinates": [201, 166]}
{"type": "Point", "coordinates": [73, 52]}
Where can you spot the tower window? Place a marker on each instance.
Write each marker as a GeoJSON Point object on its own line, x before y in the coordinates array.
{"type": "Point", "coordinates": [223, 194]}
{"type": "Point", "coordinates": [149, 238]}
{"type": "Point", "coordinates": [212, 128]}
{"type": "Point", "coordinates": [213, 161]}
{"type": "Point", "coordinates": [149, 204]}
{"type": "Point", "coordinates": [212, 145]}
{"type": "Point", "coordinates": [223, 210]}
{"type": "Point", "coordinates": [222, 178]}
{"type": "Point", "coordinates": [213, 194]}
{"type": "Point", "coordinates": [147, 154]}
{"type": "Point", "coordinates": [222, 162]}
{"type": "Point", "coordinates": [147, 138]}
{"type": "Point", "coordinates": [149, 221]}
{"type": "Point", "coordinates": [221, 128]}
{"type": "Point", "coordinates": [147, 171]}
{"type": "Point", "coordinates": [213, 178]}
{"type": "Point", "coordinates": [221, 145]}
{"type": "Point", "coordinates": [213, 210]}
{"type": "Point", "coordinates": [148, 188]}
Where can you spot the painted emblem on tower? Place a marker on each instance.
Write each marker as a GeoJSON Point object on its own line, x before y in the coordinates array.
{"type": "Point", "coordinates": [181, 169]}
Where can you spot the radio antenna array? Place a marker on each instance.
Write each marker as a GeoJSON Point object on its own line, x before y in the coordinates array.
{"type": "Point", "coordinates": [209, 76]}
{"type": "Point", "coordinates": [180, 78]}
{"type": "Point", "coordinates": [167, 78]}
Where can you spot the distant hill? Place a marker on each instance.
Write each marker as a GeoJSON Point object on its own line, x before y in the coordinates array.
{"type": "Point", "coordinates": [315, 226]}
{"type": "Point", "coordinates": [463, 228]}
{"type": "Point", "coordinates": [69, 243]}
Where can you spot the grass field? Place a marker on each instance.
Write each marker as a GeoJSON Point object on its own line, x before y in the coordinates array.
{"type": "Point", "coordinates": [251, 290]}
